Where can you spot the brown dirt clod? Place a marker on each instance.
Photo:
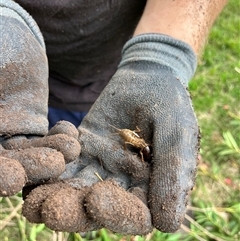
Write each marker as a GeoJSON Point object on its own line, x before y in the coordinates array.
{"type": "Point", "coordinates": [118, 210]}
{"type": "Point", "coordinates": [12, 177]}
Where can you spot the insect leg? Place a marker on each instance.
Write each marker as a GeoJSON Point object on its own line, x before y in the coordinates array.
{"type": "Point", "coordinates": [141, 153]}
{"type": "Point", "coordinates": [137, 129]}
{"type": "Point", "coordinates": [126, 142]}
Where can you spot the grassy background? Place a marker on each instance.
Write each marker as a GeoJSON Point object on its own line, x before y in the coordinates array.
{"type": "Point", "coordinates": [216, 196]}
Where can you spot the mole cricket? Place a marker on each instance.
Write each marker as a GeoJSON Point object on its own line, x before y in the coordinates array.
{"type": "Point", "coordinates": [132, 138]}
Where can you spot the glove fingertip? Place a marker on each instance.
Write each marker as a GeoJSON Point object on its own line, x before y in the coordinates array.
{"type": "Point", "coordinates": [167, 223]}
{"type": "Point", "coordinates": [117, 210]}
{"type": "Point", "coordinates": [12, 177]}
{"type": "Point", "coordinates": [168, 213]}
{"type": "Point", "coordinates": [64, 127]}
{"type": "Point", "coordinates": [33, 203]}
{"type": "Point", "coordinates": [64, 211]}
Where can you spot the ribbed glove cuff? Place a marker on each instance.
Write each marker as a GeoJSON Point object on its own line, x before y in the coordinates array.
{"type": "Point", "coordinates": [171, 54]}
{"type": "Point", "coordinates": [11, 9]}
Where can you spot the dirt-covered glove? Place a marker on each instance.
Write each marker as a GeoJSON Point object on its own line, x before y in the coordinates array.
{"type": "Point", "coordinates": [148, 93]}
{"type": "Point", "coordinates": [71, 204]}
{"type": "Point", "coordinates": [23, 107]}
{"type": "Point", "coordinates": [32, 161]}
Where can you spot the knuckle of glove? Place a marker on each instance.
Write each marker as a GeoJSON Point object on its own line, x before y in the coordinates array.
{"type": "Point", "coordinates": [32, 161]}
{"type": "Point", "coordinates": [64, 127]}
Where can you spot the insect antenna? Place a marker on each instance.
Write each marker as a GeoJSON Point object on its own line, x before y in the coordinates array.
{"type": "Point", "coordinates": [114, 127]}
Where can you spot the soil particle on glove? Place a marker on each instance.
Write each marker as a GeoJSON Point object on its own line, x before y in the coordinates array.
{"type": "Point", "coordinates": [120, 211]}
{"type": "Point", "coordinates": [39, 163]}
{"type": "Point", "coordinates": [12, 177]}
{"type": "Point", "coordinates": [68, 146]}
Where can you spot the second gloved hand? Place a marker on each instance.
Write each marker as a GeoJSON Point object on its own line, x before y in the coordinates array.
{"type": "Point", "coordinates": [32, 161]}
{"type": "Point", "coordinates": [28, 152]}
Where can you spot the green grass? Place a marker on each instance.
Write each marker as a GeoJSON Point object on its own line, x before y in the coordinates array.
{"type": "Point", "coordinates": [216, 196]}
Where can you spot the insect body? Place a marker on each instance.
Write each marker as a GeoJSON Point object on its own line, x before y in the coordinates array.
{"type": "Point", "coordinates": [132, 138]}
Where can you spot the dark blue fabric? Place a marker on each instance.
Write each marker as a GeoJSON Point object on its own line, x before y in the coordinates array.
{"type": "Point", "coordinates": [55, 115]}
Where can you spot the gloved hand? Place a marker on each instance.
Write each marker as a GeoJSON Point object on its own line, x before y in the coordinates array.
{"type": "Point", "coordinates": [23, 108]}
{"type": "Point", "coordinates": [32, 161]}
{"type": "Point", "coordinates": [148, 91]}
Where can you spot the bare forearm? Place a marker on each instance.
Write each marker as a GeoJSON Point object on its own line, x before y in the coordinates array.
{"type": "Point", "coordinates": [186, 20]}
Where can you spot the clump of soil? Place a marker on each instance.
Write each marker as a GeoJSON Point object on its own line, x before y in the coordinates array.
{"type": "Point", "coordinates": [12, 177]}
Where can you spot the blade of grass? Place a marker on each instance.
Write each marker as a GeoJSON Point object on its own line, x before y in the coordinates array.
{"type": "Point", "coordinates": [13, 214]}
{"type": "Point", "coordinates": [189, 231]}
{"type": "Point", "coordinates": [205, 231]}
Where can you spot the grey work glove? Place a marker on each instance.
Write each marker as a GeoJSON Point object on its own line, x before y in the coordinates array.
{"type": "Point", "coordinates": [27, 162]}
{"type": "Point", "coordinates": [25, 156]}
{"type": "Point", "coordinates": [147, 92]}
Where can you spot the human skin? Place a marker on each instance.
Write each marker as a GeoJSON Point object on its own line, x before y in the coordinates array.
{"type": "Point", "coordinates": [185, 20]}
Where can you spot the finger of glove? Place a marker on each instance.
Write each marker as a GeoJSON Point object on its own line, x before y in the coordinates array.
{"type": "Point", "coordinates": [32, 205]}
{"type": "Point", "coordinates": [62, 213]}
{"type": "Point", "coordinates": [114, 157]}
{"type": "Point", "coordinates": [175, 148]}
{"type": "Point", "coordinates": [39, 163]}
{"type": "Point", "coordinates": [112, 207]}
{"type": "Point", "coordinates": [141, 192]}
{"type": "Point", "coordinates": [12, 176]}
{"type": "Point", "coordinates": [72, 168]}
{"type": "Point", "coordinates": [64, 127]}
{"type": "Point", "coordinates": [60, 207]}
{"type": "Point", "coordinates": [91, 174]}
{"type": "Point", "coordinates": [64, 210]}
{"type": "Point", "coordinates": [68, 146]}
